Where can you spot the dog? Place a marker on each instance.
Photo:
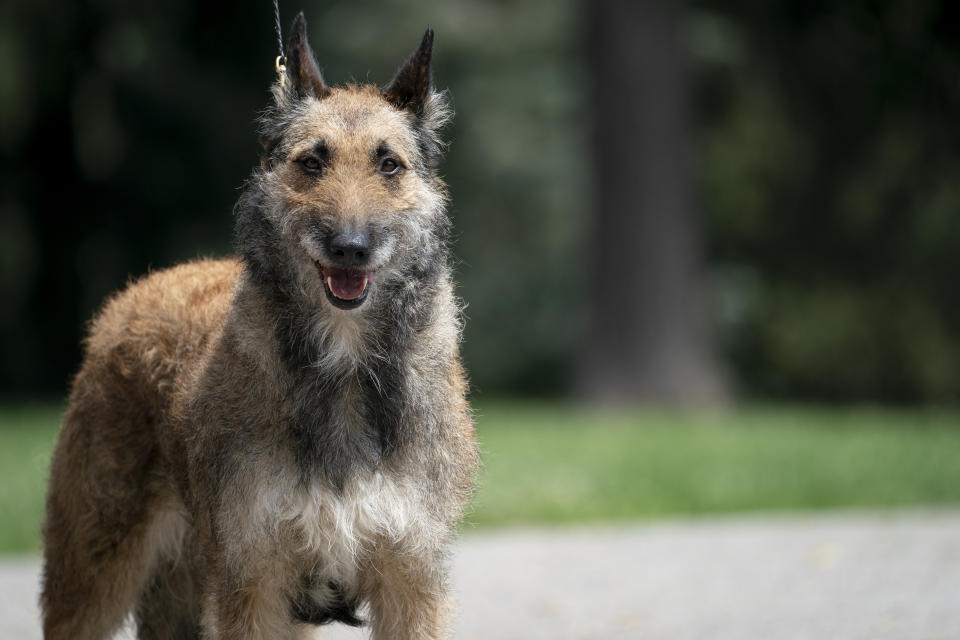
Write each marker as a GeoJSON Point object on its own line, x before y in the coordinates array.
{"type": "Point", "coordinates": [257, 445]}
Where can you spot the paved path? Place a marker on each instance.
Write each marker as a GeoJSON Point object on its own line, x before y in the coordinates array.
{"type": "Point", "coordinates": [847, 576]}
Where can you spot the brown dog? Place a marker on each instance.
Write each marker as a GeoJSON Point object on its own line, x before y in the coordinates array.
{"type": "Point", "coordinates": [257, 444]}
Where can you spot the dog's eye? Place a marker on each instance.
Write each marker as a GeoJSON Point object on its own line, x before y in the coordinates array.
{"type": "Point", "coordinates": [388, 167]}
{"type": "Point", "coordinates": [311, 164]}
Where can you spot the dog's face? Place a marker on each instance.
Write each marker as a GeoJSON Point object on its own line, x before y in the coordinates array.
{"type": "Point", "coordinates": [348, 179]}
{"type": "Point", "coordinates": [352, 190]}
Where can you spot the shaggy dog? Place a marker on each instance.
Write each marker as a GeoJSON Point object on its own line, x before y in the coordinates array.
{"type": "Point", "coordinates": [260, 444]}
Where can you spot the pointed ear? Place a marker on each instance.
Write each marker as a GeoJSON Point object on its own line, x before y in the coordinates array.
{"type": "Point", "coordinates": [410, 88]}
{"type": "Point", "coordinates": [302, 70]}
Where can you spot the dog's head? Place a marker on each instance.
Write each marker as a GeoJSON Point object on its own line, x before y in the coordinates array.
{"type": "Point", "coordinates": [346, 209]}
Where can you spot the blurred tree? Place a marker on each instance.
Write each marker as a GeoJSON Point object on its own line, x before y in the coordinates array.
{"type": "Point", "coordinates": [648, 334]}
{"type": "Point", "coordinates": [824, 158]}
{"type": "Point", "coordinates": [127, 131]}
{"type": "Point", "coordinates": [829, 175]}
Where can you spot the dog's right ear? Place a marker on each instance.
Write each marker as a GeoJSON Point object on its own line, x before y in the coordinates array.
{"type": "Point", "coordinates": [301, 79]}
{"type": "Point", "coordinates": [303, 74]}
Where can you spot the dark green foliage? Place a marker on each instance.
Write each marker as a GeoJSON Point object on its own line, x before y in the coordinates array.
{"type": "Point", "coordinates": [830, 184]}
{"type": "Point", "coordinates": [127, 137]}
{"type": "Point", "coordinates": [126, 129]}
{"type": "Point", "coordinates": [828, 166]}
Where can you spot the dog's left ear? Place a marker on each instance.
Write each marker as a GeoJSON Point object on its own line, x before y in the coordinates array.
{"type": "Point", "coordinates": [410, 88]}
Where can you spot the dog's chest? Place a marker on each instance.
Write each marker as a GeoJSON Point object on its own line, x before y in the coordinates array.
{"type": "Point", "coordinates": [344, 421]}
{"type": "Point", "coordinates": [330, 539]}
{"type": "Point", "coordinates": [339, 529]}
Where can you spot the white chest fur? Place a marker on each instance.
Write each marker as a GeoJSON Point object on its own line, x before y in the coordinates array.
{"type": "Point", "coordinates": [335, 531]}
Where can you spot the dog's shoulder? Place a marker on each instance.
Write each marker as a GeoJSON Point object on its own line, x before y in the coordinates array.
{"type": "Point", "coordinates": [147, 331]}
{"type": "Point", "coordinates": [168, 301]}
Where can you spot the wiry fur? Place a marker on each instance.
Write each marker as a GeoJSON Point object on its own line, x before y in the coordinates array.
{"type": "Point", "coordinates": [240, 456]}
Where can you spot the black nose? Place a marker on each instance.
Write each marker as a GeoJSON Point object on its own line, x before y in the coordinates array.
{"type": "Point", "coordinates": [350, 248]}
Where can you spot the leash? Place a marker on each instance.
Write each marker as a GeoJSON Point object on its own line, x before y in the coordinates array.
{"type": "Point", "coordinates": [280, 64]}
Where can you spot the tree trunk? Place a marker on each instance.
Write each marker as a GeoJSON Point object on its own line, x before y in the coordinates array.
{"type": "Point", "coordinates": [648, 336]}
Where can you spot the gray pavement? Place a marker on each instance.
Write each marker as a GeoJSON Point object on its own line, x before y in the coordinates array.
{"type": "Point", "coordinates": [847, 576]}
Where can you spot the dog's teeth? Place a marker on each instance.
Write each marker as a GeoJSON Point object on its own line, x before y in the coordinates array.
{"type": "Point", "coordinates": [365, 281]}
{"type": "Point", "coordinates": [330, 282]}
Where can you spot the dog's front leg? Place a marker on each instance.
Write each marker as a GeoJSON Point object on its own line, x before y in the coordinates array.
{"type": "Point", "coordinates": [410, 598]}
{"type": "Point", "coordinates": [252, 606]}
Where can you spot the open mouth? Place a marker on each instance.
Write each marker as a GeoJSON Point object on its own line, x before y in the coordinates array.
{"type": "Point", "coordinates": [346, 288]}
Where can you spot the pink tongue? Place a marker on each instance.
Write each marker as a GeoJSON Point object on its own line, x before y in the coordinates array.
{"type": "Point", "coordinates": [345, 284]}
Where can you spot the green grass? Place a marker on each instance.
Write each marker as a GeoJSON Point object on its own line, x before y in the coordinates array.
{"type": "Point", "coordinates": [556, 463]}
{"type": "Point", "coordinates": [551, 463]}
{"type": "Point", "coordinates": [27, 434]}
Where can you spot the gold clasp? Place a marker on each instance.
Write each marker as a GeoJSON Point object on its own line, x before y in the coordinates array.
{"type": "Point", "coordinates": [281, 68]}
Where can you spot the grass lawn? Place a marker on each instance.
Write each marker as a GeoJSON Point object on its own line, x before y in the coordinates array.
{"type": "Point", "coordinates": [556, 463]}
{"type": "Point", "coordinates": [548, 462]}
{"type": "Point", "coordinates": [27, 434]}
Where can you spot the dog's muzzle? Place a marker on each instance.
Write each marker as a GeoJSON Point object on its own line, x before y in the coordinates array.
{"type": "Point", "coordinates": [345, 270]}
{"type": "Point", "coordinates": [345, 288]}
